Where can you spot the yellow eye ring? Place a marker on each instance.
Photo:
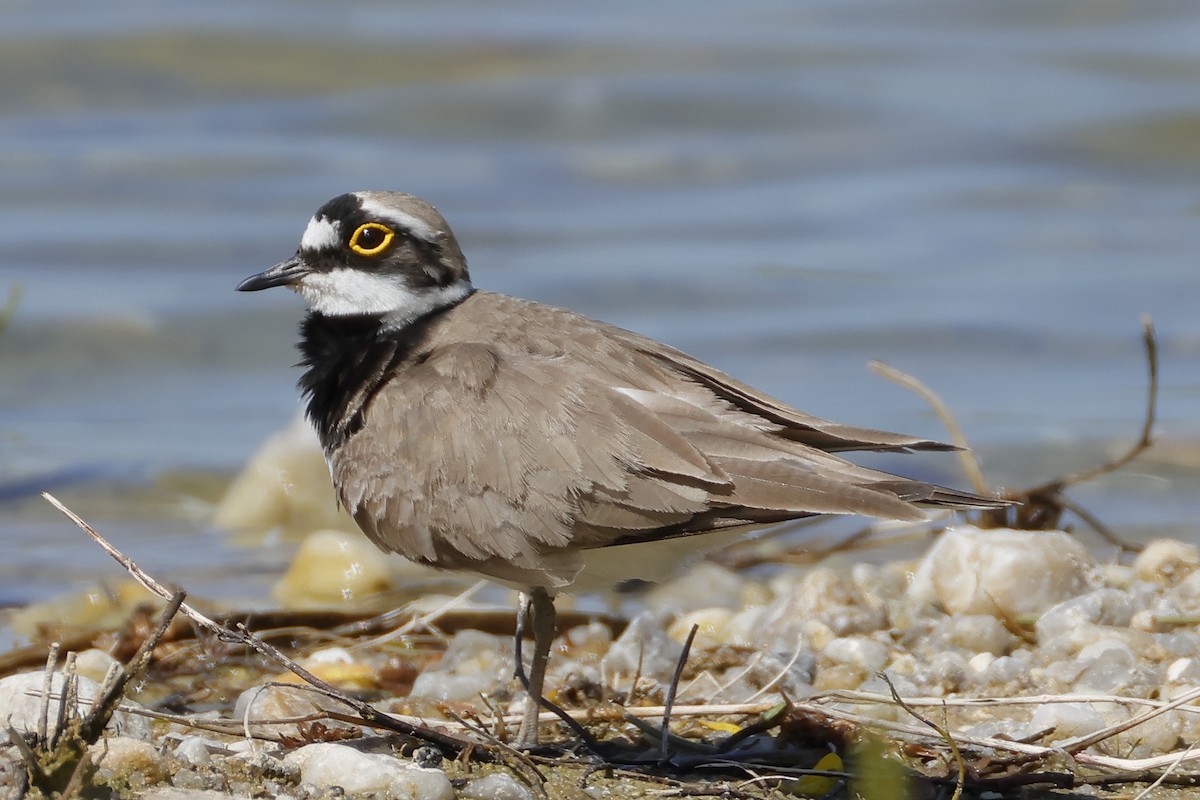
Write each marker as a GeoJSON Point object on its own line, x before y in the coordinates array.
{"type": "Point", "coordinates": [371, 239]}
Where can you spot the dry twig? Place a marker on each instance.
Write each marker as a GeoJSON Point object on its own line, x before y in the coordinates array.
{"type": "Point", "coordinates": [242, 635]}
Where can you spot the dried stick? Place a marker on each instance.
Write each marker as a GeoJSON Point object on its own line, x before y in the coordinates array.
{"type": "Point", "coordinates": [118, 679]}
{"type": "Point", "coordinates": [664, 745]}
{"type": "Point", "coordinates": [966, 458]}
{"type": "Point", "coordinates": [942, 730]}
{"type": "Point", "coordinates": [243, 636]}
{"type": "Point", "coordinates": [1145, 440]}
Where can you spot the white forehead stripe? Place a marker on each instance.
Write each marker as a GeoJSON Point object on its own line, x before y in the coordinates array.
{"type": "Point", "coordinates": [384, 213]}
{"type": "Point", "coordinates": [321, 234]}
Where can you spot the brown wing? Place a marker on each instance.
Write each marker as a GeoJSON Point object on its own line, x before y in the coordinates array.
{"type": "Point", "coordinates": [509, 463]}
{"type": "Point", "coordinates": [821, 433]}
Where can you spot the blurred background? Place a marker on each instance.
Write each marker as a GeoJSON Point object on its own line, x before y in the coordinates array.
{"type": "Point", "coordinates": [984, 195]}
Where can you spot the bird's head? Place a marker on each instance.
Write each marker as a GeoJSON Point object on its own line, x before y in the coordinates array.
{"type": "Point", "coordinates": [382, 254]}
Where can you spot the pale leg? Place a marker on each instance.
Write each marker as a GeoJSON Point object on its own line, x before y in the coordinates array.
{"type": "Point", "coordinates": [541, 604]}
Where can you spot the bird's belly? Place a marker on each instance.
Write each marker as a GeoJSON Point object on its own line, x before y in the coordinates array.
{"type": "Point", "coordinates": [654, 561]}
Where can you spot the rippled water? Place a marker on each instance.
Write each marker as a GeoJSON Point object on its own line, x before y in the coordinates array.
{"type": "Point", "coordinates": [985, 195]}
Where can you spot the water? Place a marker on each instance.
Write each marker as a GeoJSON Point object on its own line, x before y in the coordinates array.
{"type": "Point", "coordinates": [985, 195]}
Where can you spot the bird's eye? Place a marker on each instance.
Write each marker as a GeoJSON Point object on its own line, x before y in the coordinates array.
{"type": "Point", "coordinates": [371, 239]}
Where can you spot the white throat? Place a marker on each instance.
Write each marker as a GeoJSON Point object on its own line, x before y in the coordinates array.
{"type": "Point", "coordinates": [348, 292]}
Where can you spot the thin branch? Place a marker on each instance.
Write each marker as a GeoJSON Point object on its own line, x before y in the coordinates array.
{"type": "Point", "coordinates": [1144, 793]}
{"type": "Point", "coordinates": [243, 636]}
{"type": "Point", "coordinates": [664, 746]}
{"type": "Point", "coordinates": [966, 458]}
{"type": "Point", "coordinates": [114, 689]}
{"type": "Point", "coordinates": [942, 731]}
{"type": "Point", "coordinates": [1145, 440]}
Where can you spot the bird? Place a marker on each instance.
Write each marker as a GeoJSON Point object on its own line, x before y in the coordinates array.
{"type": "Point", "coordinates": [475, 431]}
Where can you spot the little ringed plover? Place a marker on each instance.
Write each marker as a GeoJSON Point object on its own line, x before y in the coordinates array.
{"type": "Point", "coordinates": [470, 430]}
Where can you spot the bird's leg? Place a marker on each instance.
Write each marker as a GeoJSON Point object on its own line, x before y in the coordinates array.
{"type": "Point", "coordinates": [518, 657]}
{"type": "Point", "coordinates": [542, 606]}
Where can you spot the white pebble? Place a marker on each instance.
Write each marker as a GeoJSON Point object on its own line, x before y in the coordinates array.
{"type": "Point", "coordinates": [644, 641]}
{"type": "Point", "coordinates": [474, 663]}
{"type": "Point", "coordinates": [980, 662]}
{"type": "Point", "coordinates": [121, 756]}
{"type": "Point", "coordinates": [711, 627]}
{"type": "Point", "coordinates": [1067, 719]}
{"type": "Point", "coordinates": [333, 568]}
{"type": "Point", "coordinates": [1183, 669]}
{"type": "Point", "coordinates": [265, 704]}
{"type": "Point", "coordinates": [1017, 573]}
{"type": "Point", "coordinates": [194, 750]}
{"type": "Point", "coordinates": [946, 672]}
{"type": "Point", "coordinates": [175, 793]}
{"type": "Point", "coordinates": [1109, 671]}
{"type": "Point", "coordinates": [1073, 623]}
{"type": "Point", "coordinates": [285, 484]}
{"type": "Point", "coordinates": [94, 664]}
{"type": "Point", "coordinates": [1153, 737]}
{"type": "Point", "coordinates": [21, 704]}
{"type": "Point", "coordinates": [329, 655]}
{"type": "Point", "coordinates": [497, 786]}
{"type": "Point", "coordinates": [863, 653]}
{"type": "Point", "coordinates": [1166, 561]}
{"type": "Point", "coordinates": [1004, 669]}
{"type": "Point", "coordinates": [328, 764]}
{"type": "Point", "coordinates": [976, 633]}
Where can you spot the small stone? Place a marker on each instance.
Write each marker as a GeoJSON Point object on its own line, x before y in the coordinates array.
{"type": "Point", "coordinates": [818, 606]}
{"type": "Point", "coordinates": [199, 779]}
{"type": "Point", "coordinates": [1182, 599]}
{"type": "Point", "coordinates": [1184, 670]}
{"type": "Point", "coordinates": [497, 786]}
{"type": "Point", "coordinates": [792, 672]}
{"type": "Point", "coordinates": [194, 750]}
{"type": "Point", "coordinates": [326, 765]}
{"type": "Point", "coordinates": [122, 757]}
{"type": "Point", "coordinates": [107, 606]}
{"type": "Point", "coordinates": [745, 628]}
{"type": "Point", "coordinates": [703, 586]}
{"type": "Point", "coordinates": [883, 584]}
{"type": "Point", "coordinates": [1166, 561]}
{"type": "Point", "coordinates": [265, 704]}
{"type": "Point", "coordinates": [94, 664]}
{"type": "Point", "coordinates": [1003, 670]}
{"type": "Point", "coordinates": [1067, 719]}
{"type": "Point", "coordinates": [1155, 736]}
{"type": "Point", "coordinates": [945, 673]}
{"type": "Point", "coordinates": [428, 756]}
{"type": "Point", "coordinates": [644, 641]}
{"type": "Point", "coordinates": [839, 676]}
{"type": "Point", "coordinates": [337, 666]}
{"type": "Point", "coordinates": [474, 663]}
{"type": "Point", "coordinates": [980, 662]}
{"type": "Point", "coordinates": [711, 627]}
{"type": "Point", "coordinates": [285, 485]}
{"type": "Point", "coordinates": [333, 568]}
{"type": "Point", "coordinates": [1109, 668]}
{"type": "Point", "coordinates": [177, 793]}
{"type": "Point", "coordinates": [879, 684]}
{"type": "Point", "coordinates": [976, 633]}
{"type": "Point", "coordinates": [867, 655]}
{"type": "Point", "coordinates": [21, 704]}
{"type": "Point", "coordinates": [1071, 624]}
{"type": "Point", "coordinates": [1144, 620]}
{"type": "Point", "coordinates": [1001, 572]}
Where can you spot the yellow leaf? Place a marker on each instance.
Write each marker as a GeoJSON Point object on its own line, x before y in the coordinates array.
{"type": "Point", "coordinates": [816, 785]}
